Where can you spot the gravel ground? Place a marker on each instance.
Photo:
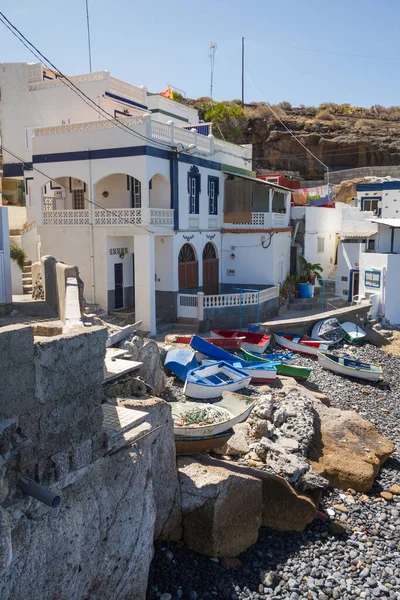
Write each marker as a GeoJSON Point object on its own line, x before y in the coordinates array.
{"type": "Point", "coordinates": [360, 559]}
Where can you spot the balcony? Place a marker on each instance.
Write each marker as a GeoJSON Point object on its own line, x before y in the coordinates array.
{"type": "Point", "coordinates": [262, 220]}
{"type": "Point", "coordinates": [114, 216]}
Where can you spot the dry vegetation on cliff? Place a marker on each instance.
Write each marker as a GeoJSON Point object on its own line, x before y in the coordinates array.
{"type": "Point", "coordinates": [341, 135]}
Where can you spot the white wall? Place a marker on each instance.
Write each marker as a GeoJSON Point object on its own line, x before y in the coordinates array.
{"type": "Point", "coordinates": [348, 258]}
{"type": "Point", "coordinates": [127, 261]}
{"type": "Point", "coordinates": [384, 239]}
{"type": "Point", "coordinates": [180, 114]}
{"type": "Point", "coordinates": [254, 264]}
{"type": "Point", "coordinates": [160, 193]}
{"type": "Point", "coordinates": [392, 286]}
{"type": "Point", "coordinates": [165, 263]}
{"type": "Point", "coordinates": [118, 194]}
{"type": "Point", "coordinates": [203, 218]}
{"type": "Point", "coordinates": [16, 279]}
{"type": "Point", "coordinates": [16, 216]}
{"type": "Point", "coordinates": [5, 260]}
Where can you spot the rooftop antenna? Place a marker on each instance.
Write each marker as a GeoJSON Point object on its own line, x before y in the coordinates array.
{"type": "Point", "coordinates": [211, 54]}
{"type": "Point", "coordinates": [88, 35]}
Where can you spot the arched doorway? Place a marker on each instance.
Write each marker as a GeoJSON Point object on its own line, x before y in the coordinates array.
{"type": "Point", "coordinates": [188, 268]}
{"type": "Point", "coordinates": [210, 269]}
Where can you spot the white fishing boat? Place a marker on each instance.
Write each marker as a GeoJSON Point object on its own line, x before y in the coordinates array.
{"type": "Point", "coordinates": [210, 381]}
{"type": "Point", "coordinates": [199, 420]}
{"type": "Point", "coordinates": [353, 333]}
{"type": "Point", "coordinates": [328, 330]}
{"type": "Point", "coordinates": [298, 343]}
{"type": "Point", "coordinates": [349, 367]}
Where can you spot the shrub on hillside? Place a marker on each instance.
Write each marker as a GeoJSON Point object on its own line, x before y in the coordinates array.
{"type": "Point", "coordinates": [18, 255]}
{"type": "Point", "coordinates": [325, 115]}
{"type": "Point", "coordinates": [285, 105]}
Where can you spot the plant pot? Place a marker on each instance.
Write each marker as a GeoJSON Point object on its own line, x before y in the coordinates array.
{"type": "Point", "coordinates": [305, 290]}
{"type": "Point", "coordinates": [312, 279]}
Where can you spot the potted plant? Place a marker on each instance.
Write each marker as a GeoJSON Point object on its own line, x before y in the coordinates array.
{"type": "Point", "coordinates": [309, 273]}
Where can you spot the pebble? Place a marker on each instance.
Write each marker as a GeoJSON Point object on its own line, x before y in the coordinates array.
{"type": "Point", "coordinates": [343, 561]}
{"type": "Point", "coordinates": [340, 508]}
{"type": "Point", "coordinates": [387, 495]}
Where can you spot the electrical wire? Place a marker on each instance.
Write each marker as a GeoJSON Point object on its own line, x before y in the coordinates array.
{"type": "Point", "coordinates": [101, 111]}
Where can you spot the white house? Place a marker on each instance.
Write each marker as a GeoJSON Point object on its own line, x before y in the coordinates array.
{"type": "Point", "coordinates": [315, 236]}
{"type": "Point", "coordinates": [148, 207]}
{"type": "Point", "coordinates": [368, 262]}
{"type": "Point", "coordinates": [5, 264]}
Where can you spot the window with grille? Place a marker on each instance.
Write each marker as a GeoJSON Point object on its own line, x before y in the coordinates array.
{"type": "Point", "coordinates": [371, 204]}
{"type": "Point", "coordinates": [136, 193]}
{"type": "Point", "coordinates": [78, 197]}
{"type": "Point", "coordinates": [213, 191]}
{"type": "Point", "coordinates": [320, 244]}
{"type": "Point", "coordinates": [194, 190]}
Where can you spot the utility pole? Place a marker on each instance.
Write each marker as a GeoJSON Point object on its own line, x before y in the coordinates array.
{"type": "Point", "coordinates": [242, 72]}
{"type": "Point", "coordinates": [211, 54]}
{"type": "Point", "coordinates": [88, 35]}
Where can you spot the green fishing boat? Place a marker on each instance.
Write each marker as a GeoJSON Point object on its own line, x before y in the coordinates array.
{"type": "Point", "coordinates": [282, 368]}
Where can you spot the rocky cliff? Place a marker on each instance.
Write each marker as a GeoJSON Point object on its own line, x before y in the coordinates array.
{"type": "Point", "coordinates": [341, 136]}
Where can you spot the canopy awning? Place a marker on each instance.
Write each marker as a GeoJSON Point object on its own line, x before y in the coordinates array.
{"type": "Point", "coordinates": [356, 234]}
{"type": "Point", "coordinates": [227, 171]}
{"type": "Point", "coordinates": [395, 223]}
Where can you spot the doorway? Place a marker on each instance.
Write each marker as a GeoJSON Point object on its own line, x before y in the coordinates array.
{"type": "Point", "coordinates": [188, 268]}
{"type": "Point", "coordinates": [210, 270]}
{"type": "Point", "coordinates": [354, 284]}
{"type": "Point", "coordinates": [118, 286]}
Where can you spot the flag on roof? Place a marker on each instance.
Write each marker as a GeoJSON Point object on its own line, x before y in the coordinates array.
{"type": "Point", "coordinates": [168, 93]}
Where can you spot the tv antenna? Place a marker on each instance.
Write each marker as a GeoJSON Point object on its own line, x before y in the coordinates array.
{"type": "Point", "coordinates": [211, 55]}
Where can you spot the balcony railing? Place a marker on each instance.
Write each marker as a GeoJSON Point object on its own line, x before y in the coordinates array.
{"type": "Point", "coordinates": [112, 216]}
{"type": "Point", "coordinates": [261, 220]}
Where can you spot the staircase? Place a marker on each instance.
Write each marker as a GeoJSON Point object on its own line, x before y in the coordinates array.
{"type": "Point", "coordinates": [27, 277]}
{"type": "Point", "coordinates": [331, 301]}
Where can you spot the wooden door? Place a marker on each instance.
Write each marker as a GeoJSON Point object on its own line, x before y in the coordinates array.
{"type": "Point", "coordinates": [210, 270]}
{"type": "Point", "coordinates": [119, 285]}
{"type": "Point", "coordinates": [188, 269]}
{"type": "Point", "coordinates": [356, 283]}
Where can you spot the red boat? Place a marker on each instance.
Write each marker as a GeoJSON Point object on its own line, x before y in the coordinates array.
{"type": "Point", "coordinates": [233, 343]}
{"type": "Point", "coordinates": [253, 342]}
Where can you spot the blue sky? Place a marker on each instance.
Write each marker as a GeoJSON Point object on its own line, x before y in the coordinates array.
{"type": "Point", "coordinates": [303, 52]}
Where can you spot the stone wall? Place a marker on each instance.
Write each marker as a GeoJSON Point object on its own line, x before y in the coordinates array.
{"type": "Point", "coordinates": [98, 543]}
{"type": "Point", "coordinates": [373, 171]}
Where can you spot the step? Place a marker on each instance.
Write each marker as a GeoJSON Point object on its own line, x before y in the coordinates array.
{"type": "Point", "coordinates": [328, 304]}
{"type": "Point", "coordinates": [314, 299]}
{"type": "Point", "coordinates": [27, 279]}
{"type": "Point", "coordinates": [27, 263]}
{"type": "Point", "coordinates": [27, 269]}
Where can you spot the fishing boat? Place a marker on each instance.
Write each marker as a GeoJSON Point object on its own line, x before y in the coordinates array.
{"type": "Point", "coordinates": [328, 330]}
{"type": "Point", "coordinates": [209, 381]}
{"type": "Point", "coordinates": [353, 333]}
{"type": "Point", "coordinates": [298, 343]}
{"type": "Point", "coordinates": [204, 346]}
{"type": "Point", "coordinates": [227, 343]}
{"type": "Point", "coordinates": [197, 419]}
{"type": "Point", "coordinates": [286, 357]}
{"type": "Point", "coordinates": [260, 372]}
{"type": "Point", "coordinates": [350, 367]}
{"type": "Point", "coordinates": [205, 443]}
{"type": "Point", "coordinates": [282, 368]}
{"type": "Point", "coordinates": [253, 342]}
{"type": "Point", "coordinates": [180, 362]}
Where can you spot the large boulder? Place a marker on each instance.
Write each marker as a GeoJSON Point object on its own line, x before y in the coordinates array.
{"type": "Point", "coordinates": [152, 370]}
{"type": "Point", "coordinates": [221, 507]}
{"type": "Point", "coordinates": [237, 445]}
{"type": "Point", "coordinates": [347, 450]}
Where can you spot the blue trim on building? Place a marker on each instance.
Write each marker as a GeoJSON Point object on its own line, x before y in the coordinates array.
{"type": "Point", "coordinates": [16, 169]}
{"type": "Point", "coordinates": [125, 100]}
{"type": "Point", "coordinates": [124, 152]}
{"type": "Point", "coordinates": [174, 190]}
{"type": "Point", "coordinates": [377, 187]}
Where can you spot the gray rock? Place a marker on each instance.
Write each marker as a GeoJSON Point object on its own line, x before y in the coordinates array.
{"type": "Point", "coordinates": [152, 370]}
{"type": "Point", "coordinates": [274, 455]}
{"type": "Point", "coordinates": [237, 445]}
{"type": "Point", "coordinates": [260, 428]}
{"type": "Point", "coordinates": [134, 347]}
{"type": "Point", "coordinates": [264, 408]}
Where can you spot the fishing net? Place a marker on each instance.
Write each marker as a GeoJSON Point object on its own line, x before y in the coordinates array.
{"type": "Point", "coordinates": [202, 415]}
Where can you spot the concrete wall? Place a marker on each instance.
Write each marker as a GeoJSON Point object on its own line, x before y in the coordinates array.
{"type": "Point", "coordinates": [5, 261]}
{"type": "Point", "coordinates": [348, 259]}
{"type": "Point", "coordinates": [322, 224]}
{"type": "Point", "coordinates": [223, 318]}
{"type": "Point", "coordinates": [16, 279]}
{"type": "Point", "coordinates": [99, 542]}
{"type": "Point", "coordinates": [345, 174]}
{"type": "Point", "coordinates": [16, 216]}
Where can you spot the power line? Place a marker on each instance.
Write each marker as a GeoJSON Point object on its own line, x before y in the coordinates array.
{"type": "Point", "coordinates": [101, 111]}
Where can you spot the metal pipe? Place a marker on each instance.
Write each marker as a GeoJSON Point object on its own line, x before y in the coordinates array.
{"type": "Point", "coordinates": [30, 487]}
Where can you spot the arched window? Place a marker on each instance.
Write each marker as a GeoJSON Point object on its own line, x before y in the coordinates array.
{"type": "Point", "coordinates": [187, 254]}
{"type": "Point", "coordinates": [188, 268]}
{"type": "Point", "coordinates": [209, 252]}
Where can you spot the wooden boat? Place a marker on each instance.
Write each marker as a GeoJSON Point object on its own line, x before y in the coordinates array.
{"type": "Point", "coordinates": [260, 372]}
{"type": "Point", "coordinates": [286, 357]}
{"type": "Point", "coordinates": [282, 368]}
{"type": "Point", "coordinates": [298, 343]}
{"type": "Point", "coordinates": [350, 367]}
{"type": "Point", "coordinates": [232, 409]}
{"type": "Point", "coordinates": [328, 330]}
{"type": "Point", "coordinates": [206, 443]}
{"type": "Point", "coordinates": [227, 343]}
{"type": "Point", "coordinates": [253, 342]}
{"type": "Point", "coordinates": [180, 362]}
{"type": "Point", "coordinates": [205, 347]}
{"type": "Point", "coordinates": [209, 381]}
{"type": "Point", "coordinates": [353, 333]}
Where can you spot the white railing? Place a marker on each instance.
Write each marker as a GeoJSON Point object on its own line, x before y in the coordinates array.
{"type": "Point", "coordinates": [111, 216]}
{"type": "Point", "coordinates": [65, 217]}
{"type": "Point", "coordinates": [118, 216]}
{"type": "Point", "coordinates": [191, 306]}
{"type": "Point", "coordinates": [261, 219]}
{"type": "Point", "coordinates": [76, 79]}
{"type": "Point", "coordinates": [161, 216]}
{"type": "Point", "coordinates": [242, 151]}
{"type": "Point", "coordinates": [128, 91]}
{"type": "Point", "coordinates": [188, 306]}
{"type": "Point", "coordinates": [88, 126]}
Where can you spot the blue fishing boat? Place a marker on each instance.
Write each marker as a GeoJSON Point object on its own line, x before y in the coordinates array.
{"type": "Point", "coordinates": [260, 372]}
{"type": "Point", "coordinates": [180, 362]}
{"type": "Point", "coordinates": [204, 347]}
{"type": "Point", "coordinates": [210, 381]}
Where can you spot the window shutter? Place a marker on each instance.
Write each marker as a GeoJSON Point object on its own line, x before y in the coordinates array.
{"type": "Point", "coordinates": [198, 190]}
